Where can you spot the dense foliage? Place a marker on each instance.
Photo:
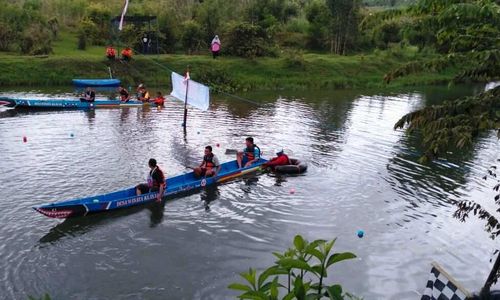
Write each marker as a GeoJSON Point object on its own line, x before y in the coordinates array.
{"type": "Point", "coordinates": [299, 273]}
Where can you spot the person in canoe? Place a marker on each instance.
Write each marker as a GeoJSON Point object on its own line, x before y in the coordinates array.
{"type": "Point", "coordinates": [88, 96]}
{"type": "Point", "coordinates": [281, 159]}
{"type": "Point", "coordinates": [210, 165]}
{"type": "Point", "coordinates": [156, 181]}
{"type": "Point", "coordinates": [124, 94]}
{"type": "Point", "coordinates": [159, 100]}
{"type": "Point", "coordinates": [142, 93]}
{"type": "Point", "coordinates": [249, 155]}
{"type": "Point", "coordinates": [215, 46]}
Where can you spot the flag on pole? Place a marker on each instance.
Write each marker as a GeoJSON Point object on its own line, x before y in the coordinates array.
{"type": "Point", "coordinates": [441, 286]}
{"type": "Point", "coordinates": [198, 95]}
{"type": "Point", "coordinates": [125, 7]}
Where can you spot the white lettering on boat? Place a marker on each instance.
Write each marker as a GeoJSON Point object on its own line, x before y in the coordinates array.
{"type": "Point", "coordinates": [136, 200]}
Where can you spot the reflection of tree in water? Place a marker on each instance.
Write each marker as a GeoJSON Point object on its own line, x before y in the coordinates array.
{"type": "Point", "coordinates": [438, 180]}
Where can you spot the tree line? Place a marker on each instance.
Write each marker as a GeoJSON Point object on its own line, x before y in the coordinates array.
{"type": "Point", "coordinates": [251, 28]}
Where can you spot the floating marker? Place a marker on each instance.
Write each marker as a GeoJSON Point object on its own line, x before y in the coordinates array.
{"type": "Point", "coordinates": [25, 139]}
{"type": "Point", "coordinates": [218, 145]}
{"type": "Point", "coordinates": [198, 132]}
{"type": "Point", "coordinates": [360, 233]}
{"type": "Point", "coordinates": [71, 135]}
{"type": "Point", "coordinates": [292, 191]}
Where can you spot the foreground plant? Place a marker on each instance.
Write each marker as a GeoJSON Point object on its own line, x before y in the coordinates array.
{"type": "Point", "coordinates": [299, 272]}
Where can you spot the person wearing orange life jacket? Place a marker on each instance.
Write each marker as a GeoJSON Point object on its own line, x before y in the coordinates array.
{"type": "Point", "coordinates": [159, 100]}
{"type": "Point", "coordinates": [142, 93]}
{"type": "Point", "coordinates": [127, 54]}
{"type": "Point", "coordinates": [281, 159]}
{"type": "Point", "coordinates": [110, 52]}
{"type": "Point", "coordinates": [210, 165]}
{"type": "Point", "coordinates": [249, 155]}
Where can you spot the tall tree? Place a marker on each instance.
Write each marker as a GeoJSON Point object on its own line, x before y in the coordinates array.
{"type": "Point", "coordinates": [344, 24]}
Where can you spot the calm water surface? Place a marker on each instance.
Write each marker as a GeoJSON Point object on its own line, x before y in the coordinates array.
{"type": "Point", "coordinates": [362, 175]}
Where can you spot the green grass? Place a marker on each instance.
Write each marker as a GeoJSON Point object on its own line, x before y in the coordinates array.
{"type": "Point", "coordinates": [309, 70]}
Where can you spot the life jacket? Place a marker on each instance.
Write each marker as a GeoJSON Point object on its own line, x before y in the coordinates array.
{"type": "Point", "coordinates": [249, 152]}
{"type": "Point", "coordinates": [209, 161]}
{"type": "Point", "coordinates": [160, 100]}
{"type": "Point", "coordinates": [110, 52]}
{"type": "Point", "coordinates": [153, 183]}
{"type": "Point", "coordinates": [127, 52]}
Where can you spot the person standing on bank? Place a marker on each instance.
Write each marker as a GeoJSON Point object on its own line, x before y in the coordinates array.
{"type": "Point", "coordinates": [215, 46]}
{"type": "Point", "coordinates": [156, 181]}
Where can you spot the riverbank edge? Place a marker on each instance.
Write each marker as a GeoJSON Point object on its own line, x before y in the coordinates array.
{"type": "Point", "coordinates": [228, 74]}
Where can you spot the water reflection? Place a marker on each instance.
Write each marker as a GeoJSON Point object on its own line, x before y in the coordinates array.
{"type": "Point", "coordinates": [362, 175]}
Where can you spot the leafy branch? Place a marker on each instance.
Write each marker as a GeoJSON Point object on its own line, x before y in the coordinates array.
{"type": "Point", "coordinates": [300, 272]}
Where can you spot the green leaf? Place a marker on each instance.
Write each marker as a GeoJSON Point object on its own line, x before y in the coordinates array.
{"type": "Point", "coordinates": [316, 253]}
{"type": "Point", "coordinates": [337, 257]}
{"type": "Point", "coordinates": [274, 270]}
{"type": "Point", "coordinates": [253, 295]}
{"type": "Point", "coordinates": [335, 292]}
{"type": "Point", "coordinates": [299, 289]}
{"type": "Point", "coordinates": [250, 277]}
{"type": "Point", "coordinates": [239, 287]}
{"type": "Point", "coordinates": [299, 242]}
{"type": "Point", "coordinates": [274, 288]}
{"type": "Point", "coordinates": [317, 270]}
{"type": "Point", "coordinates": [290, 263]}
{"type": "Point", "coordinates": [328, 247]}
{"type": "Point", "coordinates": [289, 296]}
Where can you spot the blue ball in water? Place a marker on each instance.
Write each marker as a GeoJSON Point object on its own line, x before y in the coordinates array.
{"type": "Point", "coordinates": [360, 233]}
{"type": "Point", "coordinates": [72, 135]}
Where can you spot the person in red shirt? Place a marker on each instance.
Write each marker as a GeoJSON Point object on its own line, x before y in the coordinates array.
{"type": "Point", "coordinates": [281, 159]}
{"type": "Point", "coordinates": [159, 100]}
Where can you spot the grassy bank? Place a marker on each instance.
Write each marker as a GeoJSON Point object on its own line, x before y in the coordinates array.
{"type": "Point", "coordinates": [289, 71]}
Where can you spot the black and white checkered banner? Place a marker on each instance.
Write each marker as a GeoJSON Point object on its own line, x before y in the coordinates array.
{"type": "Point", "coordinates": [441, 286]}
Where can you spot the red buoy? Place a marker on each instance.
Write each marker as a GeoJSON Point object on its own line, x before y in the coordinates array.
{"type": "Point", "coordinates": [25, 139]}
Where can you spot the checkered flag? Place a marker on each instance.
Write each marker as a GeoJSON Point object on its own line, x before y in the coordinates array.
{"type": "Point", "coordinates": [441, 286]}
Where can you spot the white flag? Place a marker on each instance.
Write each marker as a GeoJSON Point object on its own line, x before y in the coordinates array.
{"type": "Point", "coordinates": [125, 7]}
{"type": "Point", "coordinates": [198, 94]}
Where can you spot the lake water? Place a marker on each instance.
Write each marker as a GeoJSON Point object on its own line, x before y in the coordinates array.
{"type": "Point", "coordinates": [362, 175]}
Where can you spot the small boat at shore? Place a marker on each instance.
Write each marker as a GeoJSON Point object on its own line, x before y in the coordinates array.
{"type": "Point", "coordinates": [96, 82]}
{"type": "Point", "coordinates": [127, 198]}
{"type": "Point", "coordinates": [67, 103]}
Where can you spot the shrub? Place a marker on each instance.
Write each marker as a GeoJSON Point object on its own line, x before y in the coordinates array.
{"type": "Point", "coordinates": [192, 36]}
{"type": "Point", "coordinates": [387, 32]}
{"type": "Point", "coordinates": [247, 40]}
{"type": "Point", "coordinates": [36, 40]}
{"type": "Point", "coordinates": [302, 268]}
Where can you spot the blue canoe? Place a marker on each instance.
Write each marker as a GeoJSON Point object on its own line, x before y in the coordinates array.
{"type": "Point", "coordinates": [127, 198]}
{"type": "Point", "coordinates": [96, 82]}
{"type": "Point", "coordinates": [68, 103]}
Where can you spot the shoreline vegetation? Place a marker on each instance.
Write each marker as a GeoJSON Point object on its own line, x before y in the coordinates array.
{"type": "Point", "coordinates": [291, 70]}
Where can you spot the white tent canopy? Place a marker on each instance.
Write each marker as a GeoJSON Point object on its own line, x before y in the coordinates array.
{"type": "Point", "coordinates": [198, 94]}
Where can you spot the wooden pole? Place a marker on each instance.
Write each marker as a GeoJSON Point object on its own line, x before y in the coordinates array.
{"type": "Point", "coordinates": [186, 99]}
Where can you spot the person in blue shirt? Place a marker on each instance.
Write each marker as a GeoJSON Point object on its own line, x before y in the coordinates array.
{"type": "Point", "coordinates": [249, 155]}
